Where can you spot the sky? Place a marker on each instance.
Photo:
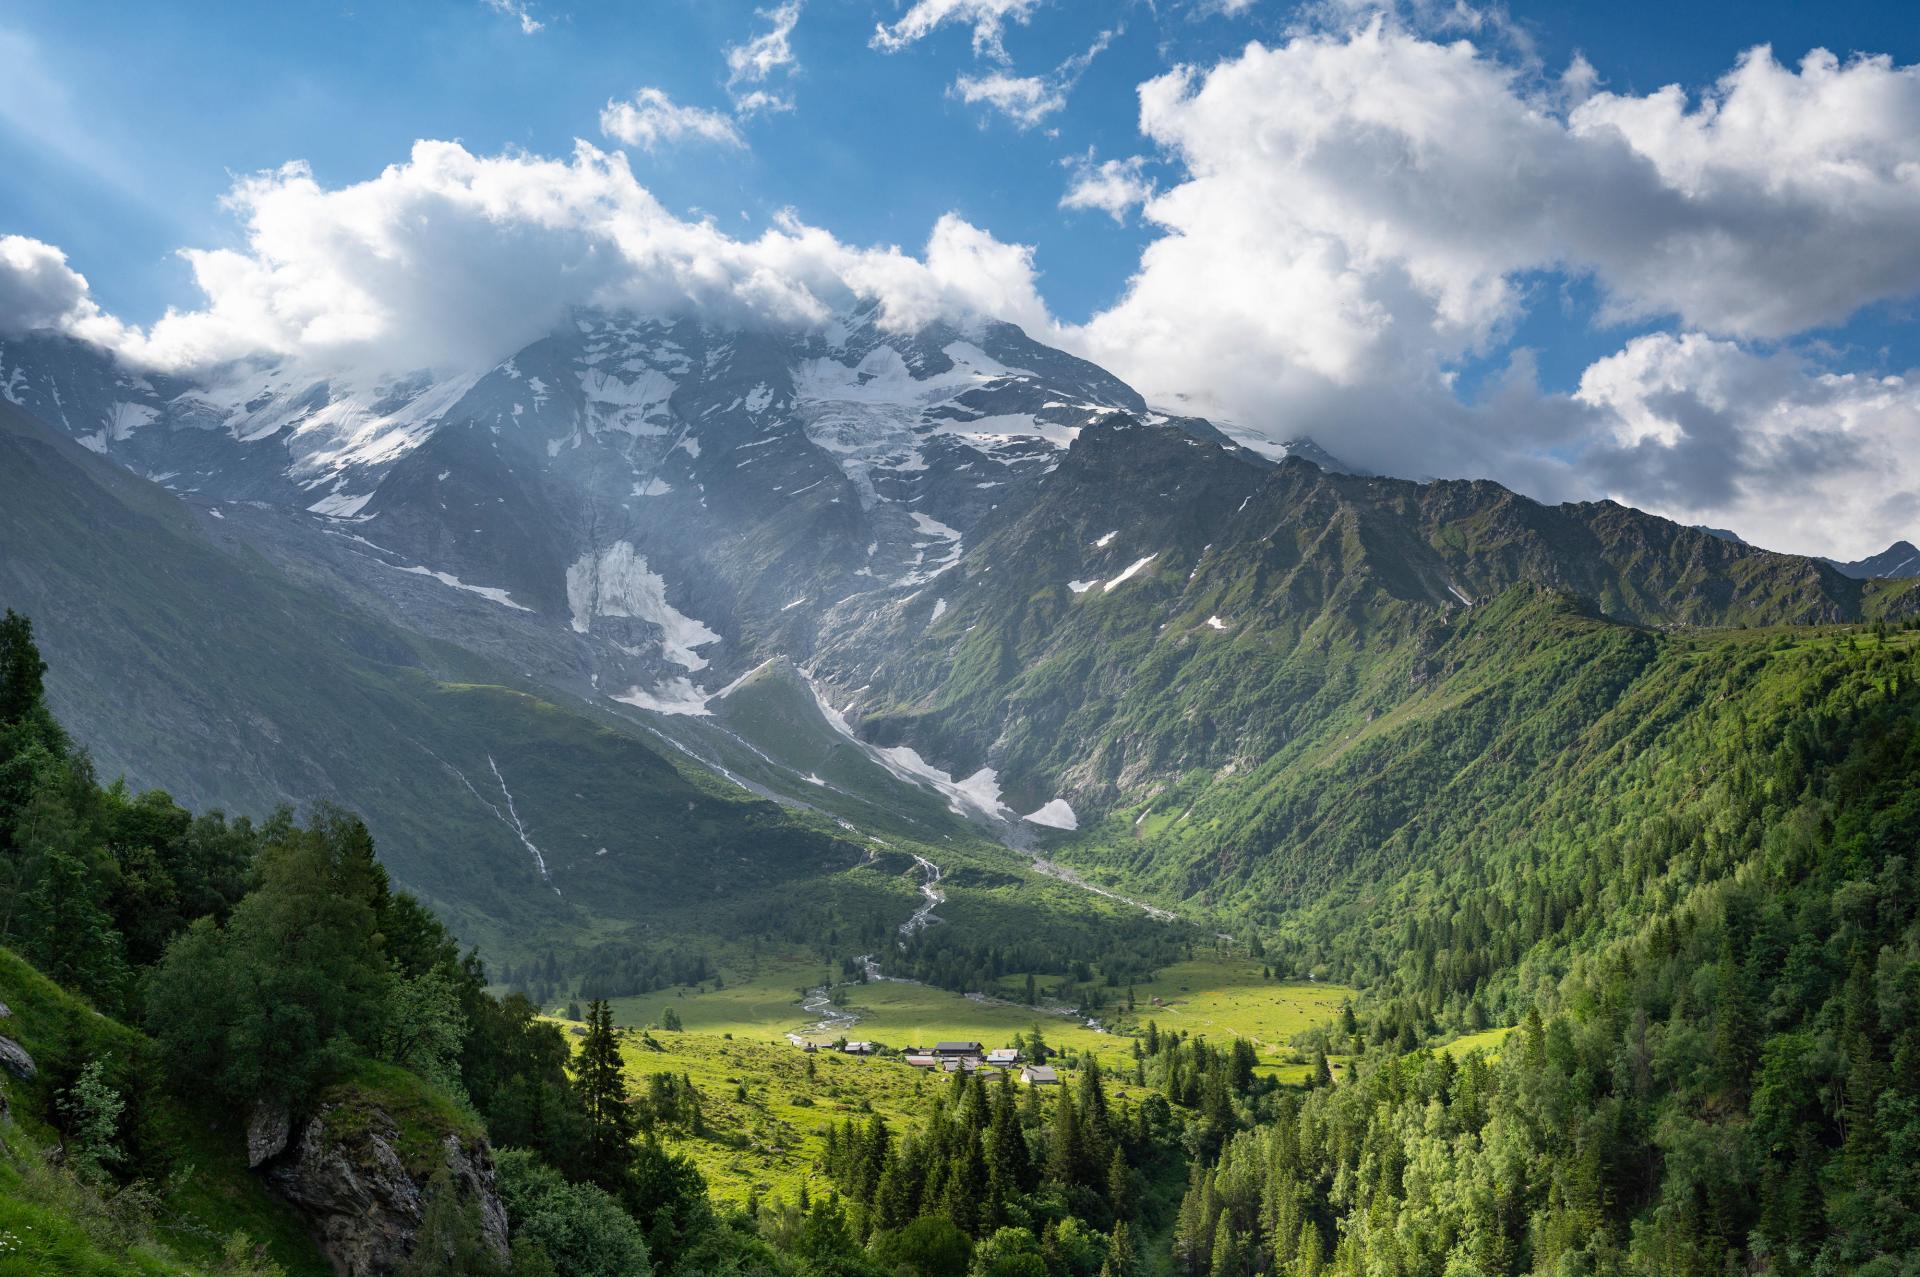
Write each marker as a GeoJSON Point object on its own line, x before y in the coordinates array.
{"type": "Point", "coordinates": [1666, 254]}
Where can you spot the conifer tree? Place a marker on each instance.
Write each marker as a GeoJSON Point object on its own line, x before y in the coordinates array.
{"type": "Point", "coordinates": [611, 1127]}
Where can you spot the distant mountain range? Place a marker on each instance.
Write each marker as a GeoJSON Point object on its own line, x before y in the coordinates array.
{"type": "Point", "coordinates": [1006, 582]}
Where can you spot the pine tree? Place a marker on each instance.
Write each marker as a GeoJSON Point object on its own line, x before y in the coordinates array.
{"type": "Point", "coordinates": [1064, 1142]}
{"type": "Point", "coordinates": [1735, 1036]}
{"type": "Point", "coordinates": [1123, 1257]}
{"type": "Point", "coordinates": [450, 1242]}
{"type": "Point", "coordinates": [611, 1127]}
{"type": "Point", "coordinates": [1119, 1184]}
{"type": "Point", "coordinates": [1226, 1250]}
{"type": "Point", "coordinates": [22, 672]}
{"type": "Point", "coordinates": [1012, 1166]}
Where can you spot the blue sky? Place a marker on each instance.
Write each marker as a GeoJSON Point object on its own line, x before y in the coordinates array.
{"type": "Point", "coordinates": [125, 125]}
{"type": "Point", "coordinates": [164, 103]}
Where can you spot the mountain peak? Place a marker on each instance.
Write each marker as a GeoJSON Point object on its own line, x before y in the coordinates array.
{"type": "Point", "coordinates": [1901, 559]}
{"type": "Point", "coordinates": [1306, 448]}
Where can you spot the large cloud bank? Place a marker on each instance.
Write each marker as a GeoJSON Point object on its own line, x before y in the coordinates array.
{"type": "Point", "coordinates": [1358, 212]}
{"type": "Point", "coordinates": [456, 259]}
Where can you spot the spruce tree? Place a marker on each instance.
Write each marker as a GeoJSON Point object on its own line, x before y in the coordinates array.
{"type": "Point", "coordinates": [611, 1127]}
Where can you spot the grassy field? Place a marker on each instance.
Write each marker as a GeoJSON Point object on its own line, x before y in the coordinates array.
{"type": "Point", "coordinates": [765, 1119]}
{"type": "Point", "coordinates": [758, 998]}
{"type": "Point", "coordinates": [761, 1003]}
{"type": "Point", "coordinates": [1487, 1040]}
{"type": "Point", "coordinates": [1230, 997]}
{"type": "Point", "coordinates": [767, 1143]}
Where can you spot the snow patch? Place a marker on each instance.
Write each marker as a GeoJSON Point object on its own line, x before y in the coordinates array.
{"type": "Point", "coordinates": [340, 505]}
{"type": "Point", "coordinates": [1106, 540]}
{"type": "Point", "coordinates": [125, 418]}
{"type": "Point", "coordinates": [619, 583]}
{"type": "Point", "coordinates": [1216, 623]}
{"type": "Point", "coordinates": [1055, 815]}
{"type": "Point", "coordinates": [978, 793]}
{"type": "Point", "coordinates": [676, 696]}
{"type": "Point", "coordinates": [488, 592]}
{"type": "Point", "coordinates": [1132, 569]}
{"type": "Point", "coordinates": [1081, 587]}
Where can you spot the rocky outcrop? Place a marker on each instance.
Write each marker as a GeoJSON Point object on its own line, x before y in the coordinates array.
{"type": "Point", "coordinates": [267, 1133]}
{"type": "Point", "coordinates": [363, 1183]}
{"type": "Point", "coordinates": [16, 1060]}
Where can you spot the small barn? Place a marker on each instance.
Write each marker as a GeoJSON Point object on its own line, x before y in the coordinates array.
{"type": "Point", "coordinates": [1040, 1075]}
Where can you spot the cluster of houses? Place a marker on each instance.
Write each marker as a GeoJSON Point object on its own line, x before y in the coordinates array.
{"type": "Point", "coordinates": [970, 1057]}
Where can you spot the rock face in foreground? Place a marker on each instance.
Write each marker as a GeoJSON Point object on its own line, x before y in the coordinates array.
{"type": "Point", "coordinates": [362, 1176]}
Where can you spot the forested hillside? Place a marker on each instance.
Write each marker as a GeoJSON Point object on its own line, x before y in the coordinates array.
{"type": "Point", "coordinates": [1712, 947]}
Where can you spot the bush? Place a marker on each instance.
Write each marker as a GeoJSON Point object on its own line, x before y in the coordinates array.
{"type": "Point", "coordinates": [581, 1228]}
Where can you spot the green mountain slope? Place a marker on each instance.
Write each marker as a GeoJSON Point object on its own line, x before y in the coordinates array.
{"type": "Point", "coordinates": [236, 688]}
{"type": "Point", "coordinates": [204, 1191]}
{"type": "Point", "coordinates": [1701, 919]}
{"type": "Point", "coordinates": [1166, 610]}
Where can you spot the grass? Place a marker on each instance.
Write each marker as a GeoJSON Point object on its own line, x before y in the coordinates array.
{"type": "Point", "coordinates": [1230, 997]}
{"type": "Point", "coordinates": [768, 1144]}
{"type": "Point", "coordinates": [421, 1114]}
{"type": "Point", "coordinates": [1215, 997]}
{"type": "Point", "coordinates": [760, 998]}
{"type": "Point", "coordinates": [1487, 1040]}
{"type": "Point", "coordinates": [205, 1193]}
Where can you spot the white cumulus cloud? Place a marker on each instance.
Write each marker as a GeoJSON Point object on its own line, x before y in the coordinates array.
{"type": "Point", "coordinates": [760, 59]}
{"type": "Point", "coordinates": [1706, 431]}
{"type": "Point", "coordinates": [456, 259]}
{"type": "Point", "coordinates": [652, 119]}
{"type": "Point", "coordinates": [1112, 186]}
{"type": "Point", "coordinates": [520, 12]}
{"type": "Point", "coordinates": [1357, 212]}
{"type": "Point", "coordinates": [988, 18]}
{"type": "Point", "coordinates": [1027, 100]}
{"type": "Point", "coordinates": [1024, 99]}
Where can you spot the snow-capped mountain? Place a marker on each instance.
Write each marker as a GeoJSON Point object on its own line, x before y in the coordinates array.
{"type": "Point", "coordinates": [635, 507]}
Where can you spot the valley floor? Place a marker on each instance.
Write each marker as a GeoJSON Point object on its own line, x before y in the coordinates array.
{"type": "Point", "coordinates": [764, 1115]}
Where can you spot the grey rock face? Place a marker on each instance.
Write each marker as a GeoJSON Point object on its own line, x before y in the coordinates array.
{"type": "Point", "coordinates": [17, 1061]}
{"type": "Point", "coordinates": [344, 1172]}
{"type": "Point", "coordinates": [267, 1133]}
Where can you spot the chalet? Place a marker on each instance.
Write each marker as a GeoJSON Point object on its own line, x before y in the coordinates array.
{"type": "Point", "coordinates": [922, 1061]}
{"type": "Point", "coordinates": [958, 1049]}
{"type": "Point", "coordinates": [1040, 1075]}
{"type": "Point", "coordinates": [1005, 1055]}
{"type": "Point", "coordinates": [856, 1048]}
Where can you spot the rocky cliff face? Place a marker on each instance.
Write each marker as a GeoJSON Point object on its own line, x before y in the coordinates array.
{"type": "Point", "coordinates": [362, 1179]}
